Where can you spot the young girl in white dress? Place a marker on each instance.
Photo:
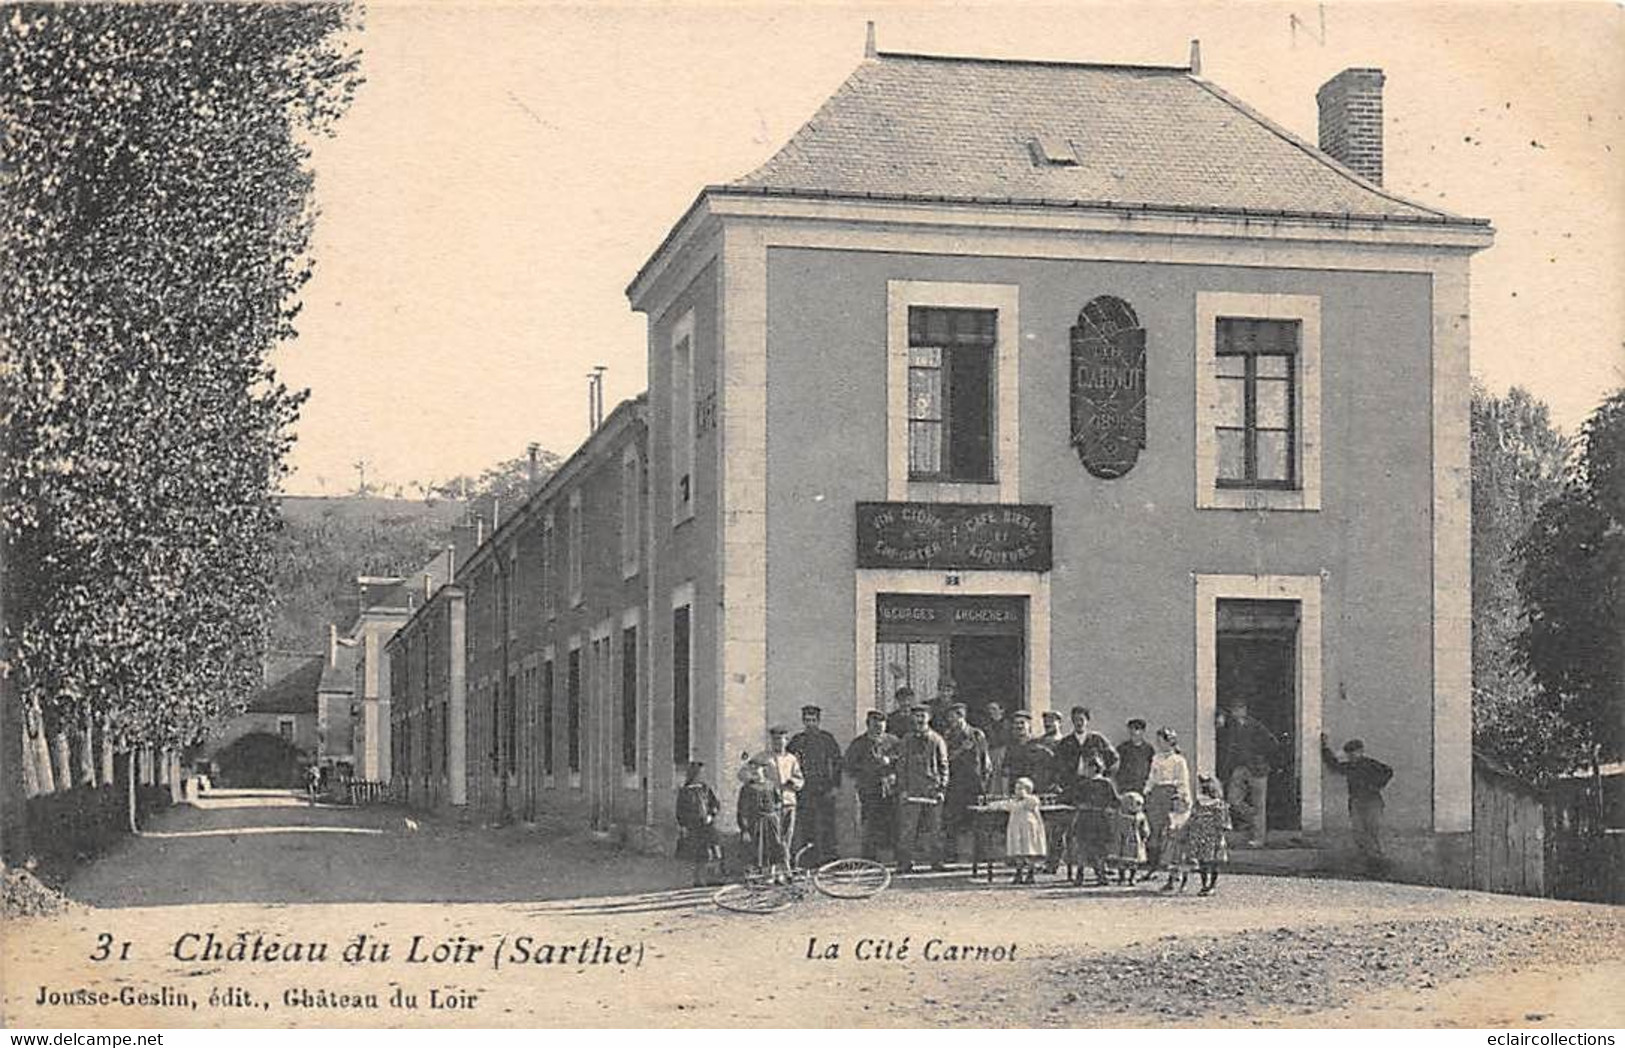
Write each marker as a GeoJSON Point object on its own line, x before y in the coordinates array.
{"type": "Point", "coordinates": [1025, 843]}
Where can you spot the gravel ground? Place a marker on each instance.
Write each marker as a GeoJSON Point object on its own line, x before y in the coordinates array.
{"type": "Point", "coordinates": [1263, 952]}
{"type": "Point", "coordinates": [1188, 978]}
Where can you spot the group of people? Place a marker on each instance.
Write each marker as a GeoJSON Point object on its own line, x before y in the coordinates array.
{"type": "Point", "coordinates": [924, 773]}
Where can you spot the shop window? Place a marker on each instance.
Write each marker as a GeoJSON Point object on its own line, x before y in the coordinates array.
{"type": "Point", "coordinates": [915, 665]}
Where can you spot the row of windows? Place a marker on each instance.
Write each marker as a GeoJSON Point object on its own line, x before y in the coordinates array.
{"type": "Point", "coordinates": [535, 689]}
{"type": "Point", "coordinates": [499, 591]}
{"type": "Point", "coordinates": [952, 386]}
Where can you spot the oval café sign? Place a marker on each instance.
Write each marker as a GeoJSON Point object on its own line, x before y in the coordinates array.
{"type": "Point", "coordinates": [1108, 387]}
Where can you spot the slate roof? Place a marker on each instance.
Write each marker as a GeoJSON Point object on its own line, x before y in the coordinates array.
{"type": "Point", "coordinates": [295, 692]}
{"type": "Point", "coordinates": [931, 127]}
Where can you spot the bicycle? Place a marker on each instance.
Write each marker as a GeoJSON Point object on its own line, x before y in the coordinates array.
{"type": "Point", "coordinates": [761, 892]}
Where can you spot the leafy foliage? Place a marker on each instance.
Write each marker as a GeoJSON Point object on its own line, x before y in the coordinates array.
{"type": "Point", "coordinates": [325, 543]}
{"type": "Point", "coordinates": [1572, 582]}
{"type": "Point", "coordinates": [1517, 461]}
{"type": "Point", "coordinates": [503, 487]}
{"type": "Point", "coordinates": [156, 212]}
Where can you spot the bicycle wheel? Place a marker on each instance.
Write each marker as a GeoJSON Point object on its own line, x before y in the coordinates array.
{"type": "Point", "coordinates": [851, 878]}
{"type": "Point", "coordinates": [755, 898]}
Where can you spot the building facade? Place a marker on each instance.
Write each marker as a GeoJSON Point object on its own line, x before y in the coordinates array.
{"type": "Point", "coordinates": [1079, 384]}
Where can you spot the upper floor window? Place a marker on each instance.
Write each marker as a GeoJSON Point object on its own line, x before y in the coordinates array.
{"type": "Point", "coordinates": [682, 419]}
{"type": "Point", "coordinates": [1256, 373]}
{"type": "Point", "coordinates": [950, 393]}
{"type": "Point", "coordinates": [1258, 433]}
{"type": "Point", "coordinates": [576, 551]}
{"type": "Point", "coordinates": [549, 560]}
{"type": "Point", "coordinates": [952, 382]}
{"type": "Point", "coordinates": [631, 504]}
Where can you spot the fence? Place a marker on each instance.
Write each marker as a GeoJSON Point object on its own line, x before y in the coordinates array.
{"type": "Point", "coordinates": [358, 792]}
{"type": "Point", "coordinates": [1588, 867]}
{"type": "Point", "coordinates": [1509, 832]}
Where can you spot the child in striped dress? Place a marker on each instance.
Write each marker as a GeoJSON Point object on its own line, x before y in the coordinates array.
{"type": "Point", "coordinates": [1133, 830]}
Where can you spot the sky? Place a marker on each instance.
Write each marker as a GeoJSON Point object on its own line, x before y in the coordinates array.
{"type": "Point", "coordinates": [508, 167]}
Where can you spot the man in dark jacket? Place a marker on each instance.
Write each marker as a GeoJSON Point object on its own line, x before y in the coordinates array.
{"type": "Point", "coordinates": [1134, 759]}
{"type": "Point", "coordinates": [820, 757]}
{"type": "Point", "coordinates": [1366, 778]}
{"type": "Point", "coordinates": [871, 762]}
{"type": "Point", "coordinates": [922, 782]}
{"type": "Point", "coordinates": [1083, 743]}
{"type": "Point", "coordinates": [1027, 757]}
{"type": "Point", "coordinates": [1247, 754]}
{"type": "Point", "coordinates": [968, 766]}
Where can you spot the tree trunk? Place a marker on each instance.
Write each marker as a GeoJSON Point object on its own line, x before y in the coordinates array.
{"type": "Point", "coordinates": [62, 760]}
{"type": "Point", "coordinates": [107, 778]}
{"type": "Point", "coordinates": [39, 749]}
{"type": "Point", "coordinates": [86, 742]}
{"type": "Point", "coordinates": [129, 778]}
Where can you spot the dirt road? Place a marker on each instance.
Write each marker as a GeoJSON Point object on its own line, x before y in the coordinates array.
{"type": "Point", "coordinates": [521, 926]}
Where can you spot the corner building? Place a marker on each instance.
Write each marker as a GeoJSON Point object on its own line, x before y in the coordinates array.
{"type": "Point", "coordinates": [1082, 384]}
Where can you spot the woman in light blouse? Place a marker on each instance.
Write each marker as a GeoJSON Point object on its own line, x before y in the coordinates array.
{"type": "Point", "coordinates": [1167, 794]}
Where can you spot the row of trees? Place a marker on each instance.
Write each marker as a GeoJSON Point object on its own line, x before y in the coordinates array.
{"type": "Point", "coordinates": [155, 211]}
{"type": "Point", "coordinates": [1548, 586]}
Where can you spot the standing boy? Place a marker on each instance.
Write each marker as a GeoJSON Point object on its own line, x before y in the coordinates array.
{"type": "Point", "coordinates": [1366, 777]}
{"type": "Point", "coordinates": [697, 808]}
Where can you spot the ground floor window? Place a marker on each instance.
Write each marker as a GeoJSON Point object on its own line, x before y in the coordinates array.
{"type": "Point", "coordinates": [980, 642]}
{"type": "Point", "coordinates": [547, 717]}
{"type": "Point", "coordinates": [681, 684]}
{"type": "Point", "coordinates": [629, 698]}
{"type": "Point", "coordinates": [572, 698]}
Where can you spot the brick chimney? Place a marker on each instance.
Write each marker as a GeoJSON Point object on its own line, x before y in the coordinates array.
{"type": "Point", "coordinates": [1351, 121]}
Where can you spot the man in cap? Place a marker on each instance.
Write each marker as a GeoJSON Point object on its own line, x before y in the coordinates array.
{"type": "Point", "coordinates": [968, 767]}
{"type": "Point", "coordinates": [1366, 777]}
{"type": "Point", "coordinates": [899, 722]}
{"type": "Point", "coordinates": [871, 760]}
{"type": "Point", "coordinates": [1134, 759]}
{"type": "Point", "coordinates": [820, 758]}
{"type": "Point", "coordinates": [783, 775]}
{"type": "Point", "coordinates": [922, 782]}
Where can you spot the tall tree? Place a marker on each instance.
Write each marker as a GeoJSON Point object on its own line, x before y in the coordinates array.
{"type": "Point", "coordinates": [1518, 460]}
{"type": "Point", "coordinates": [1573, 582]}
{"type": "Point", "coordinates": [154, 219]}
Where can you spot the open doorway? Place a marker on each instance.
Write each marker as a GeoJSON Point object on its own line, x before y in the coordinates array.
{"type": "Point", "coordinates": [1257, 666]}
